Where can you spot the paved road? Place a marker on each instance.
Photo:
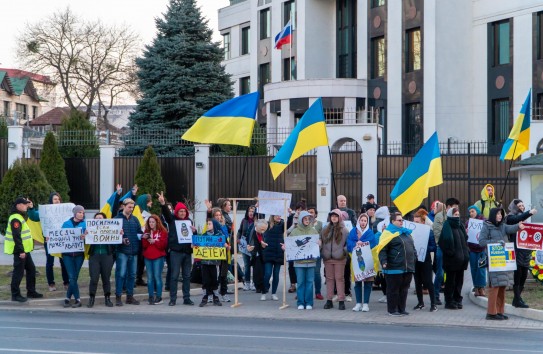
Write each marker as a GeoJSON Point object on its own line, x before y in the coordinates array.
{"type": "Point", "coordinates": [46, 332]}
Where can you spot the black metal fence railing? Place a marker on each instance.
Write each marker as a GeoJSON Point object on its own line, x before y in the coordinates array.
{"type": "Point", "coordinates": [450, 147]}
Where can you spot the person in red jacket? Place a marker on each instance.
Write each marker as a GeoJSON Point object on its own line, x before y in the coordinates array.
{"type": "Point", "coordinates": [154, 242]}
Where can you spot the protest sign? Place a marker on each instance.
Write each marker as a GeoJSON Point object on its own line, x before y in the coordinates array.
{"type": "Point", "coordinates": [52, 216]}
{"type": "Point", "coordinates": [474, 229]}
{"type": "Point", "coordinates": [65, 240]}
{"type": "Point", "coordinates": [362, 262]}
{"type": "Point", "coordinates": [348, 225]}
{"type": "Point", "coordinates": [299, 248]}
{"type": "Point", "coordinates": [273, 207]}
{"type": "Point", "coordinates": [531, 237]}
{"type": "Point", "coordinates": [184, 231]}
{"type": "Point", "coordinates": [209, 247]}
{"type": "Point", "coordinates": [420, 234]}
{"type": "Point", "coordinates": [242, 246]}
{"type": "Point", "coordinates": [501, 257]}
{"type": "Point", "coordinates": [104, 232]}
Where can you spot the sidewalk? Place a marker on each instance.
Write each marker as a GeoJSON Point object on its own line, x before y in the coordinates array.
{"type": "Point", "coordinates": [251, 307]}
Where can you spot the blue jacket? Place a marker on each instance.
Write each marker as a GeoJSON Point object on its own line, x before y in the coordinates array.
{"type": "Point", "coordinates": [131, 229]}
{"type": "Point", "coordinates": [71, 224]}
{"type": "Point", "coordinates": [368, 236]}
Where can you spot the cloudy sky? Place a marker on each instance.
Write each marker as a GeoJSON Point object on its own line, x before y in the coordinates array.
{"type": "Point", "coordinates": [138, 14]}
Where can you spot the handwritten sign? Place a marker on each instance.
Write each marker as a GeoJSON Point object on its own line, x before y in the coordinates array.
{"type": "Point", "coordinates": [184, 231]}
{"type": "Point", "coordinates": [300, 248]}
{"type": "Point", "coordinates": [273, 207]}
{"type": "Point", "coordinates": [104, 232]}
{"type": "Point", "coordinates": [501, 258]}
{"type": "Point", "coordinates": [52, 216]}
{"type": "Point", "coordinates": [65, 240]}
{"type": "Point", "coordinates": [362, 262]}
{"type": "Point", "coordinates": [209, 247]}
{"type": "Point", "coordinates": [474, 229]}
{"type": "Point", "coordinates": [420, 234]}
{"type": "Point", "coordinates": [531, 237]}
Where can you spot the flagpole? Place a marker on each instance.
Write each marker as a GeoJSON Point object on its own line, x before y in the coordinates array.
{"type": "Point", "coordinates": [333, 174]}
{"type": "Point", "coordinates": [508, 171]}
{"type": "Point", "coordinates": [290, 48]}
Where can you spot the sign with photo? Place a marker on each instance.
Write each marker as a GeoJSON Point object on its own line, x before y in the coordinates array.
{"type": "Point", "coordinates": [299, 248]}
{"type": "Point", "coordinates": [362, 262]}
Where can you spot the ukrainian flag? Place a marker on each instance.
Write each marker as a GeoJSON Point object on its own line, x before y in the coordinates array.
{"type": "Point", "coordinates": [519, 138]}
{"type": "Point", "coordinates": [108, 207]}
{"type": "Point", "coordinates": [229, 123]}
{"type": "Point", "coordinates": [423, 172]}
{"type": "Point", "coordinates": [309, 133]}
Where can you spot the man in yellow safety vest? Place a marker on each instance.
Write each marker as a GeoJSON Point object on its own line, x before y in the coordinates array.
{"type": "Point", "coordinates": [19, 243]}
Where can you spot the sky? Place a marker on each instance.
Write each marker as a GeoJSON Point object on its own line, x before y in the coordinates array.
{"type": "Point", "coordinates": [139, 14]}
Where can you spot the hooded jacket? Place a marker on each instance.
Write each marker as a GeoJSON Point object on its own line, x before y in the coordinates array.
{"type": "Point", "coordinates": [301, 230]}
{"type": "Point", "coordinates": [173, 240]}
{"type": "Point", "coordinates": [496, 232]}
{"type": "Point", "coordinates": [453, 243]}
{"type": "Point", "coordinates": [486, 202]}
{"type": "Point", "coordinates": [514, 217]}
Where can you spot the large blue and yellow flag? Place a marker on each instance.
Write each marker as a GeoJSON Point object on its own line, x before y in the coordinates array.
{"type": "Point", "coordinates": [423, 172]}
{"type": "Point", "coordinates": [519, 138]}
{"type": "Point", "coordinates": [231, 123]}
{"type": "Point", "coordinates": [309, 133]}
{"type": "Point", "coordinates": [108, 207]}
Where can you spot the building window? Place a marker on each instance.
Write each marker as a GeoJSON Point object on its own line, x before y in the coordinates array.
{"type": "Point", "coordinates": [346, 38]}
{"type": "Point", "coordinates": [413, 46]}
{"type": "Point", "coordinates": [226, 46]}
{"type": "Point", "coordinates": [501, 42]}
{"type": "Point", "coordinates": [265, 23]}
{"type": "Point", "coordinates": [289, 13]}
{"type": "Point", "coordinates": [21, 110]}
{"type": "Point", "coordinates": [539, 35]}
{"type": "Point", "coordinates": [289, 74]}
{"type": "Point", "coordinates": [34, 112]}
{"type": "Point", "coordinates": [378, 58]}
{"type": "Point", "coordinates": [264, 2]}
{"type": "Point", "coordinates": [245, 40]}
{"type": "Point", "coordinates": [377, 3]}
{"type": "Point", "coordinates": [537, 114]}
{"type": "Point", "coordinates": [244, 85]}
{"type": "Point", "coordinates": [264, 77]}
{"type": "Point", "coordinates": [501, 120]}
{"type": "Point", "coordinates": [7, 109]}
{"type": "Point", "coordinates": [413, 128]}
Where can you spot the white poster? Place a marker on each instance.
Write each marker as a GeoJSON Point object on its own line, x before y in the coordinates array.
{"type": "Point", "coordinates": [242, 246]}
{"type": "Point", "coordinates": [348, 225]}
{"type": "Point", "coordinates": [362, 262]}
{"type": "Point", "coordinates": [184, 231]}
{"type": "Point", "coordinates": [299, 248]}
{"type": "Point", "coordinates": [104, 231]}
{"type": "Point", "coordinates": [474, 229]}
{"type": "Point", "coordinates": [420, 234]}
{"type": "Point", "coordinates": [52, 216]}
{"type": "Point", "coordinates": [275, 206]}
{"type": "Point", "coordinates": [65, 240]}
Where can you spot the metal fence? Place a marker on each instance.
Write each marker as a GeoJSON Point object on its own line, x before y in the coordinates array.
{"type": "Point", "coordinates": [83, 175]}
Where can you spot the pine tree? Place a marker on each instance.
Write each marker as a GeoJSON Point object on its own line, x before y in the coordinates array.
{"type": "Point", "coordinates": [180, 78]}
{"type": "Point", "coordinates": [52, 165]}
{"type": "Point", "coordinates": [26, 179]}
{"type": "Point", "coordinates": [149, 179]}
{"type": "Point", "coordinates": [76, 137]}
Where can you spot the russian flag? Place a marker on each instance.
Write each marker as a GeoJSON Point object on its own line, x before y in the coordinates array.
{"type": "Point", "coordinates": [284, 37]}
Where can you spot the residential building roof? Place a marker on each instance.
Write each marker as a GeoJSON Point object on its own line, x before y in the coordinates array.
{"type": "Point", "coordinates": [53, 117]}
{"type": "Point", "coordinates": [34, 77]}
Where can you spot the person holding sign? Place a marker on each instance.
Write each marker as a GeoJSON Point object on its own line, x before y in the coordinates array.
{"type": "Point", "coordinates": [423, 270]}
{"type": "Point", "coordinates": [18, 242]}
{"type": "Point", "coordinates": [246, 225]}
{"type": "Point", "coordinates": [154, 242]}
{"type": "Point", "coordinates": [305, 269]}
{"type": "Point", "coordinates": [209, 268]}
{"type": "Point", "coordinates": [476, 252]}
{"type": "Point", "coordinates": [74, 260]}
{"type": "Point", "coordinates": [517, 213]}
{"type": "Point", "coordinates": [334, 255]}
{"type": "Point", "coordinates": [360, 235]}
{"type": "Point", "coordinates": [273, 255]}
{"type": "Point", "coordinates": [495, 231]}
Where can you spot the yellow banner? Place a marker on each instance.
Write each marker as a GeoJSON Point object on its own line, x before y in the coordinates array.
{"type": "Point", "coordinates": [210, 253]}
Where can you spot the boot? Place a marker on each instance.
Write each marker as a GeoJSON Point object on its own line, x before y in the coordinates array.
{"type": "Point", "coordinates": [91, 301]}
{"type": "Point", "coordinates": [131, 300]}
{"type": "Point", "coordinates": [107, 301]}
{"type": "Point", "coordinates": [341, 305]}
{"type": "Point", "coordinates": [329, 304]}
{"type": "Point", "coordinates": [118, 300]}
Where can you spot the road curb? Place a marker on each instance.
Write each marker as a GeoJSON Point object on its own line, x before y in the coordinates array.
{"type": "Point", "coordinates": [531, 314]}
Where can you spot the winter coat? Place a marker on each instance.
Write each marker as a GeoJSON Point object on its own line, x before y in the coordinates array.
{"type": "Point", "coordinates": [173, 240]}
{"type": "Point", "coordinates": [514, 217]}
{"type": "Point", "coordinates": [453, 243]}
{"type": "Point", "coordinates": [301, 230]}
{"type": "Point", "coordinates": [330, 248]}
{"type": "Point", "coordinates": [399, 254]}
{"type": "Point", "coordinates": [493, 232]}
{"type": "Point", "coordinates": [131, 230]}
{"type": "Point", "coordinates": [274, 238]}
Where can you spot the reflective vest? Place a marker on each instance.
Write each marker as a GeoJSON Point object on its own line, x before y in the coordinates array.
{"type": "Point", "coordinates": [26, 237]}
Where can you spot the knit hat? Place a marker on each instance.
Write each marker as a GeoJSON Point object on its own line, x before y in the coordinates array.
{"type": "Point", "coordinates": [77, 209]}
{"type": "Point", "coordinates": [474, 207]}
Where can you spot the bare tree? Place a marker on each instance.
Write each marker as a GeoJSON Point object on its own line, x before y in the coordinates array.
{"type": "Point", "coordinates": [92, 62]}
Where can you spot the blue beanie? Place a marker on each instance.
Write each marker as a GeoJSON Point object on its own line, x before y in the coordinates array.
{"type": "Point", "coordinates": [475, 208]}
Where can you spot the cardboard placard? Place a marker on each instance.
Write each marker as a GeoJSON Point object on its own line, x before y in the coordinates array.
{"type": "Point", "coordinates": [184, 231]}
{"type": "Point", "coordinates": [420, 234]}
{"type": "Point", "coordinates": [104, 232]}
{"type": "Point", "coordinates": [65, 240]}
{"type": "Point", "coordinates": [362, 262]}
{"type": "Point", "coordinates": [300, 248]}
{"type": "Point", "coordinates": [273, 207]}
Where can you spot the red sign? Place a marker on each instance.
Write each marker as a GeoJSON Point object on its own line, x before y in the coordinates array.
{"type": "Point", "coordinates": [531, 238]}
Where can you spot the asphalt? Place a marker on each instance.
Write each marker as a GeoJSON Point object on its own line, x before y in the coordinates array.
{"type": "Point", "coordinates": [250, 306]}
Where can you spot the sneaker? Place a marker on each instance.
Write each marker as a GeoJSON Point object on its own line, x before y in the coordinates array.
{"type": "Point", "coordinates": [77, 303]}
{"type": "Point", "coordinates": [335, 298]}
{"type": "Point", "coordinates": [395, 314]}
{"type": "Point", "coordinates": [225, 298]}
{"type": "Point", "coordinates": [67, 303]}
{"type": "Point", "coordinates": [404, 313]}
{"type": "Point", "coordinates": [309, 307]}
{"type": "Point", "coordinates": [216, 301]}
{"type": "Point", "coordinates": [328, 305]}
{"type": "Point", "coordinates": [383, 299]}
{"type": "Point", "coordinates": [151, 301]}
{"type": "Point", "coordinates": [252, 287]}
{"type": "Point", "coordinates": [263, 297]}
{"type": "Point", "coordinates": [301, 307]}
{"type": "Point", "coordinates": [274, 297]}
{"type": "Point", "coordinates": [172, 302]}
{"type": "Point", "coordinates": [451, 306]}
{"type": "Point", "coordinates": [319, 297]}
{"type": "Point", "coordinates": [365, 308]}
{"type": "Point", "coordinates": [158, 300]}
{"type": "Point", "coordinates": [438, 302]}
{"type": "Point", "coordinates": [52, 288]}
{"type": "Point", "coordinates": [187, 302]}
{"type": "Point", "coordinates": [459, 305]}
{"type": "Point", "coordinates": [247, 287]}
{"type": "Point", "coordinates": [357, 307]}
{"type": "Point", "coordinates": [348, 298]}
{"type": "Point", "coordinates": [418, 307]}
{"type": "Point", "coordinates": [433, 308]}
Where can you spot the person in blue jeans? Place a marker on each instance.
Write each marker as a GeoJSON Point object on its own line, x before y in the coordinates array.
{"type": "Point", "coordinates": [243, 234]}
{"type": "Point", "coordinates": [476, 252]}
{"type": "Point", "coordinates": [273, 255]}
{"type": "Point", "coordinates": [127, 254]}
{"type": "Point", "coordinates": [318, 278]}
{"type": "Point", "coordinates": [74, 260]}
{"type": "Point", "coordinates": [154, 242]}
{"type": "Point", "coordinates": [305, 269]}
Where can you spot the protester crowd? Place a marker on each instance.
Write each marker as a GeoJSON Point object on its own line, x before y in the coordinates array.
{"type": "Point", "coordinates": [396, 263]}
